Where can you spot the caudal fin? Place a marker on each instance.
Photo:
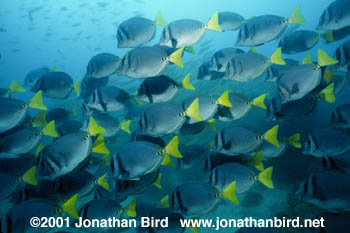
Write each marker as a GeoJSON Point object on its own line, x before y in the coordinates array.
{"type": "Point", "coordinates": [225, 100]}
{"type": "Point", "coordinates": [190, 49]}
{"type": "Point", "coordinates": [296, 17]}
{"type": "Point", "coordinates": [194, 228]}
{"type": "Point", "coordinates": [77, 86]}
{"type": "Point", "coordinates": [50, 130]}
{"type": "Point", "coordinates": [103, 182]}
{"type": "Point", "coordinates": [193, 110]}
{"type": "Point", "coordinates": [307, 59]}
{"type": "Point", "coordinates": [324, 59]}
{"type": "Point", "coordinates": [36, 101]}
{"type": "Point", "coordinates": [271, 136]}
{"type": "Point", "coordinates": [99, 146]}
{"type": "Point", "coordinates": [265, 177]}
{"type": "Point", "coordinates": [327, 94]}
{"type": "Point", "coordinates": [294, 140]}
{"type": "Point", "coordinates": [328, 35]}
{"type": "Point", "coordinates": [69, 206]}
{"type": "Point", "coordinates": [160, 20]}
{"type": "Point", "coordinates": [94, 128]}
{"type": "Point", "coordinates": [259, 101]}
{"type": "Point", "coordinates": [130, 209]}
{"type": "Point", "coordinates": [125, 126]}
{"type": "Point", "coordinates": [176, 57]}
{"type": "Point", "coordinates": [213, 23]}
{"type": "Point", "coordinates": [211, 124]}
{"type": "Point", "coordinates": [186, 83]}
{"type": "Point", "coordinates": [15, 87]}
{"type": "Point", "coordinates": [40, 119]}
{"type": "Point", "coordinates": [172, 148]}
{"type": "Point", "coordinates": [164, 202]}
{"type": "Point", "coordinates": [276, 57]}
{"type": "Point", "coordinates": [229, 193]}
{"type": "Point", "coordinates": [328, 75]}
{"type": "Point", "coordinates": [157, 183]}
{"type": "Point", "coordinates": [29, 177]}
{"type": "Point", "coordinates": [256, 161]}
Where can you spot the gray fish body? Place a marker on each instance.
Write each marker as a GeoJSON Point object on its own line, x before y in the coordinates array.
{"type": "Point", "coordinates": [135, 159]}
{"type": "Point", "coordinates": [157, 89]}
{"type": "Point", "coordinates": [21, 214]}
{"type": "Point", "coordinates": [63, 156]}
{"type": "Point", "coordinates": [207, 106]}
{"type": "Point", "coordinates": [194, 199]}
{"type": "Point", "coordinates": [34, 75]}
{"type": "Point", "coordinates": [342, 54]}
{"type": "Point", "coordinates": [57, 85]}
{"type": "Point", "coordinates": [276, 111]}
{"type": "Point", "coordinates": [14, 115]}
{"type": "Point", "coordinates": [182, 33]}
{"type": "Point", "coordinates": [341, 117]}
{"type": "Point", "coordinates": [326, 142]}
{"type": "Point", "coordinates": [193, 128]}
{"type": "Point", "coordinates": [235, 140]}
{"type": "Point", "coordinates": [161, 119]}
{"type": "Point", "coordinates": [192, 156]}
{"type": "Point", "coordinates": [260, 30]}
{"type": "Point", "coordinates": [204, 72]}
{"type": "Point", "coordinates": [135, 32]}
{"type": "Point", "coordinates": [16, 165]}
{"type": "Point", "coordinates": [270, 151]}
{"type": "Point", "coordinates": [8, 185]}
{"type": "Point", "coordinates": [66, 127]}
{"type": "Point", "coordinates": [57, 115]}
{"type": "Point", "coordinates": [339, 163]}
{"type": "Point", "coordinates": [246, 66]}
{"type": "Point", "coordinates": [274, 72]}
{"type": "Point", "coordinates": [19, 140]}
{"type": "Point", "coordinates": [335, 16]}
{"type": "Point", "coordinates": [143, 62]}
{"type": "Point", "coordinates": [100, 209]}
{"type": "Point", "coordinates": [107, 122]}
{"type": "Point", "coordinates": [230, 21]}
{"type": "Point", "coordinates": [220, 59]}
{"type": "Point", "coordinates": [107, 99]}
{"type": "Point", "coordinates": [328, 190]}
{"type": "Point", "coordinates": [102, 65]}
{"type": "Point", "coordinates": [88, 85]}
{"type": "Point", "coordinates": [340, 34]}
{"type": "Point", "coordinates": [223, 175]}
{"type": "Point", "coordinates": [240, 107]}
{"type": "Point", "coordinates": [298, 41]}
{"type": "Point", "coordinates": [298, 82]}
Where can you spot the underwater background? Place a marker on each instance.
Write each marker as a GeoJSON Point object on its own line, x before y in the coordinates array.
{"type": "Point", "coordinates": [66, 34]}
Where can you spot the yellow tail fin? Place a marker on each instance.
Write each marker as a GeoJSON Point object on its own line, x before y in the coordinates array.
{"type": "Point", "coordinates": [327, 94]}
{"type": "Point", "coordinates": [327, 76]}
{"type": "Point", "coordinates": [160, 20]}
{"type": "Point", "coordinates": [271, 136]}
{"type": "Point", "coordinates": [176, 57]}
{"type": "Point", "coordinates": [77, 87]}
{"type": "Point", "coordinates": [54, 69]}
{"type": "Point", "coordinates": [253, 50]}
{"type": "Point", "coordinates": [213, 23]}
{"type": "Point", "coordinates": [186, 84]}
{"type": "Point", "coordinates": [125, 126]}
{"type": "Point", "coordinates": [193, 110]}
{"type": "Point", "coordinates": [172, 148]}
{"type": "Point", "coordinates": [211, 124]}
{"type": "Point", "coordinates": [194, 229]}
{"type": "Point", "coordinates": [15, 87]}
{"type": "Point", "coordinates": [50, 130]}
{"type": "Point", "coordinates": [265, 177]}
{"type": "Point", "coordinates": [164, 201]}
{"type": "Point", "coordinates": [328, 35]}
{"type": "Point", "coordinates": [29, 177]}
{"type": "Point", "coordinates": [167, 161]}
{"type": "Point", "coordinates": [324, 59]}
{"type": "Point", "coordinates": [39, 149]}
{"type": "Point", "coordinates": [37, 101]}
{"type": "Point", "coordinates": [230, 193]}
{"type": "Point", "coordinates": [102, 181]}
{"type": "Point", "coordinates": [256, 161]}
{"type": "Point", "coordinates": [276, 57]}
{"type": "Point", "coordinates": [225, 100]}
{"type": "Point", "coordinates": [40, 119]}
{"type": "Point", "coordinates": [130, 209]}
{"type": "Point", "coordinates": [296, 17]}
{"type": "Point", "coordinates": [99, 146]}
{"type": "Point", "coordinates": [190, 49]}
{"type": "Point", "coordinates": [69, 206]}
{"type": "Point", "coordinates": [94, 128]}
{"type": "Point", "coordinates": [106, 159]}
{"type": "Point", "coordinates": [307, 59]}
{"type": "Point", "coordinates": [157, 183]}
{"type": "Point", "coordinates": [259, 101]}
{"type": "Point", "coordinates": [294, 140]}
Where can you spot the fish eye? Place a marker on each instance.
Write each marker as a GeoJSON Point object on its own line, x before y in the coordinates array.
{"type": "Point", "coordinates": [164, 58]}
{"type": "Point", "coordinates": [260, 137]}
{"type": "Point", "coordinates": [182, 114]}
{"type": "Point", "coordinates": [266, 61]}
{"type": "Point", "coordinates": [23, 106]}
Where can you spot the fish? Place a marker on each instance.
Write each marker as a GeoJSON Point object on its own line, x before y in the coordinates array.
{"type": "Point", "coordinates": [198, 198]}
{"type": "Point", "coordinates": [102, 65]}
{"type": "Point", "coordinates": [137, 31]}
{"type": "Point", "coordinates": [230, 21]}
{"type": "Point", "coordinates": [322, 190]}
{"type": "Point", "coordinates": [107, 99]}
{"type": "Point", "coordinates": [265, 28]}
{"type": "Point", "coordinates": [298, 41]}
{"type": "Point", "coordinates": [340, 118]}
{"type": "Point", "coordinates": [331, 36]}
{"type": "Point", "coordinates": [56, 85]}
{"type": "Point", "coordinates": [136, 159]}
{"type": "Point", "coordinates": [164, 118]}
{"type": "Point", "coordinates": [205, 74]}
{"type": "Point", "coordinates": [335, 16]}
{"type": "Point", "coordinates": [326, 142]}
{"type": "Point", "coordinates": [88, 85]}
{"type": "Point", "coordinates": [192, 155]}
{"type": "Point", "coordinates": [101, 209]}
{"type": "Point", "coordinates": [161, 89]}
{"type": "Point", "coordinates": [61, 157]}
{"type": "Point", "coordinates": [275, 71]}
{"type": "Point", "coordinates": [302, 79]}
{"type": "Point", "coordinates": [13, 88]}
{"type": "Point", "coordinates": [143, 62]}
{"type": "Point", "coordinates": [16, 165]}
{"type": "Point", "coordinates": [33, 75]}
{"type": "Point", "coordinates": [185, 32]}
{"type": "Point", "coordinates": [240, 106]}
{"type": "Point", "coordinates": [220, 58]}
{"type": "Point", "coordinates": [223, 175]}
{"type": "Point", "coordinates": [16, 110]}
{"type": "Point", "coordinates": [239, 139]}
{"type": "Point", "coordinates": [342, 55]}
{"type": "Point", "coordinates": [208, 106]}
{"type": "Point", "coordinates": [57, 115]}
{"type": "Point", "coordinates": [251, 65]}
{"type": "Point", "coordinates": [67, 127]}
{"type": "Point", "coordinates": [339, 163]}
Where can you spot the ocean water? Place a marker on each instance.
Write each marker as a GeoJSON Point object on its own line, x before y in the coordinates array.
{"type": "Point", "coordinates": [66, 34]}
